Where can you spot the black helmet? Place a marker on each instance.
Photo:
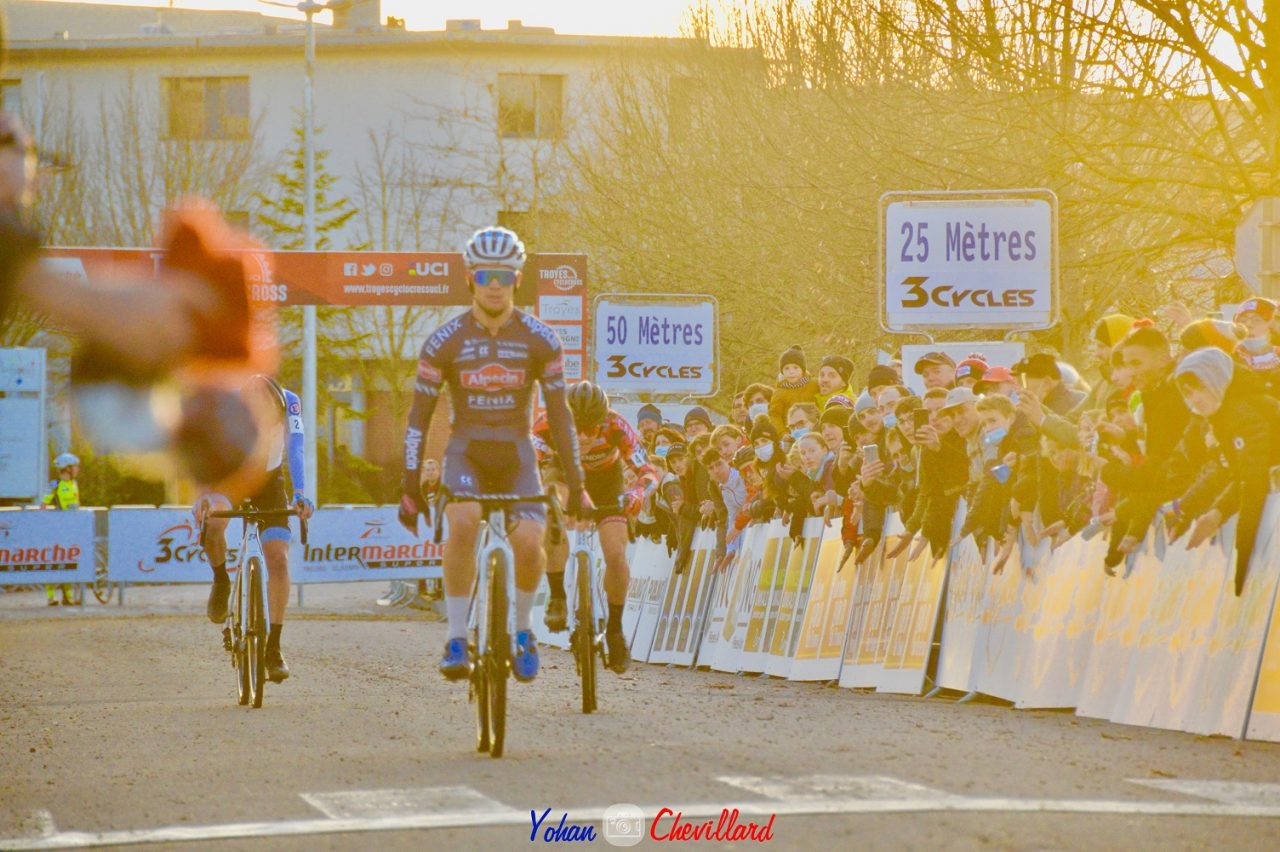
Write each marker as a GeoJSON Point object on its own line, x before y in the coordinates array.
{"type": "Point", "coordinates": [588, 403]}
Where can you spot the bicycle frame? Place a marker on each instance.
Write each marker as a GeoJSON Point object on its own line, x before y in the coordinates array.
{"type": "Point", "coordinates": [492, 538]}
{"type": "Point", "coordinates": [584, 541]}
{"type": "Point", "coordinates": [250, 546]}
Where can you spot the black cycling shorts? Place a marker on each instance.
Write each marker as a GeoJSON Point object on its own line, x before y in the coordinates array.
{"type": "Point", "coordinates": [477, 466]}
{"type": "Point", "coordinates": [605, 489]}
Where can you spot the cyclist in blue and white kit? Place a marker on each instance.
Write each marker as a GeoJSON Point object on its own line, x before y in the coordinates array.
{"type": "Point", "coordinates": [491, 356]}
{"type": "Point", "coordinates": [280, 413]}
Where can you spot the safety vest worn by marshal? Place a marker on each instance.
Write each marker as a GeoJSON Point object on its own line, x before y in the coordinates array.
{"type": "Point", "coordinates": [63, 494]}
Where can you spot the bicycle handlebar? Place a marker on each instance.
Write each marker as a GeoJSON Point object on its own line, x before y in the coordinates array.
{"type": "Point", "coordinates": [556, 519]}
{"type": "Point", "coordinates": [256, 515]}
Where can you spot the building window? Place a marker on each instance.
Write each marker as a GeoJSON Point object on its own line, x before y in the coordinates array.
{"type": "Point", "coordinates": [530, 105]}
{"type": "Point", "coordinates": [9, 98]}
{"type": "Point", "coordinates": [206, 107]}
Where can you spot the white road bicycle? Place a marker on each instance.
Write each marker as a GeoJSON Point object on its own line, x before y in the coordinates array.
{"type": "Point", "coordinates": [491, 621]}
{"type": "Point", "coordinates": [249, 617]}
{"type": "Point", "coordinates": [586, 609]}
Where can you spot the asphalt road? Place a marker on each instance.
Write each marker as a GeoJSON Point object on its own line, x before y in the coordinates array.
{"type": "Point", "coordinates": [119, 725]}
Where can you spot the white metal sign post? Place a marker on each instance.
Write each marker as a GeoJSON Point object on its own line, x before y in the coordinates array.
{"type": "Point", "coordinates": [661, 345]}
{"type": "Point", "coordinates": [968, 260]}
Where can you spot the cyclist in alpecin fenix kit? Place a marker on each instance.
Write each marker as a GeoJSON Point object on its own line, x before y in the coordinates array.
{"type": "Point", "coordinates": [490, 357]}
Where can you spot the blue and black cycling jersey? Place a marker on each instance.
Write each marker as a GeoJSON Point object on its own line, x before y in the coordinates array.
{"type": "Point", "coordinates": [491, 385]}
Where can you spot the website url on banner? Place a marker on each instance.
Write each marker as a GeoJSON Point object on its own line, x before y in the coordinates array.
{"type": "Point", "coordinates": [397, 289]}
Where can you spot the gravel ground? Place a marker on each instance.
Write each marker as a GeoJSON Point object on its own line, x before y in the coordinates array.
{"type": "Point", "coordinates": [125, 718]}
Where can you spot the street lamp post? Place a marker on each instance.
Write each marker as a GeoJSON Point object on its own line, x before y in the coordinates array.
{"type": "Point", "coordinates": [310, 400]}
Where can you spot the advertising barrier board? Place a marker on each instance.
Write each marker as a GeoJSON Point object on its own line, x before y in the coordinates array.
{"type": "Point", "coordinates": [45, 546]}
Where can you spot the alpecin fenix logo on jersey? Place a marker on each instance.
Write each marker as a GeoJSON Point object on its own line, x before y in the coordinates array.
{"type": "Point", "coordinates": [492, 377]}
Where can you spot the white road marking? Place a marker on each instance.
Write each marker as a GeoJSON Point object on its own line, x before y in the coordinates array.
{"type": "Point", "coordinates": [371, 804]}
{"type": "Point", "coordinates": [1256, 793]}
{"type": "Point", "coordinates": [808, 787]}
{"type": "Point", "coordinates": [913, 803]}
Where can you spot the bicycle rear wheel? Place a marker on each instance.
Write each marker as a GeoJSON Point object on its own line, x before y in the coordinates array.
{"type": "Point", "coordinates": [102, 588]}
{"type": "Point", "coordinates": [256, 634]}
{"type": "Point", "coordinates": [497, 656]}
{"type": "Point", "coordinates": [585, 639]}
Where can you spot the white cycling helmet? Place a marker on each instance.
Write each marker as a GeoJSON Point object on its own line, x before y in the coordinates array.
{"type": "Point", "coordinates": [65, 461]}
{"type": "Point", "coordinates": [495, 246]}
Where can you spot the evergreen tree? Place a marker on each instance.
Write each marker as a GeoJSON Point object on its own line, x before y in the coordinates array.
{"type": "Point", "coordinates": [283, 209]}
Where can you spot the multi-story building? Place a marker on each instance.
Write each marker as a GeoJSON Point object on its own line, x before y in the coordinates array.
{"type": "Point", "coordinates": [427, 134]}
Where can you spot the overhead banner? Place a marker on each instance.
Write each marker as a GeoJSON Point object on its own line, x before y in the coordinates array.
{"type": "Point", "coordinates": [657, 344]}
{"type": "Point", "coordinates": [285, 278]}
{"type": "Point", "coordinates": [969, 259]}
{"type": "Point", "coordinates": [46, 546]}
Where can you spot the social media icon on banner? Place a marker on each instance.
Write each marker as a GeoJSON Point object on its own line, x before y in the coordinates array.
{"type": "Point", "coordinates": [386, 269]}
{"type": "Point", "coordinates": [623, 825]}
{"type": "Point", "coordinates": [350, 269]}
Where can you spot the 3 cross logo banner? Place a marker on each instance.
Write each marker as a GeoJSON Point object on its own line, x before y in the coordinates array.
{"type": "Point", "coordinates": [969, 260]}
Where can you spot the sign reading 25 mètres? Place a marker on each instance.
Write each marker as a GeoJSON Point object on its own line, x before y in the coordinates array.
{"type": "Point", "coordinates": [656, 344]}
{"type": "Point", "coordinates": [969, 259]}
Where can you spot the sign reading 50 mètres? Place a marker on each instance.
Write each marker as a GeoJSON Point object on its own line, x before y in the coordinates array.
{"type": "Point", "coordinates": [964, 259]}
{"type": "Point", "coordinates": [656, 344]}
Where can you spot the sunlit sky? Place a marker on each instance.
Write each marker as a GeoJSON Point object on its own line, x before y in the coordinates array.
{"type": "Point", "coordinates": [576, 17]}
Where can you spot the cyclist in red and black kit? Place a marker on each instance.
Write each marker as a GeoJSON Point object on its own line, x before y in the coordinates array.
{"type": "Point", "coordinates": [490, 357]}
{"type": "Point", "coordinates": [606, 442]}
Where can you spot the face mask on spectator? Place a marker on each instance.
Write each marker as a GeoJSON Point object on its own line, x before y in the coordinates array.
{"type": "Point", "coordinates": [756, 410]}
{"type": "Point", "coordinates": [890, 420]}
{"type": "Point", "coordinates": [799, 432]}
{"type": "Point", "coordinates": [661, 451]}
{"type": "Point", "coordinates": [995, 436]}
{"type": "Point", "coordinates": [764, 452]}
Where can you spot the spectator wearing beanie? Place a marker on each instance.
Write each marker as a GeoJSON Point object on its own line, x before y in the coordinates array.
{"type": "Point", "coordinates": [648, 422]}
{"type": "Point", "coordinates": [1217, 333]}
{"type": "Point", "coordinates": [833, 379]}
{"type": "Point", "coordinates": [1246, 430]}
{"type": "Point", "coordinates": [880, 377]}
{"type": "Point", "coordinates": [697, 422]}
{"type": "Point", "coordinates": [1256, 351]}
{"type": "Point", "coordinates": [1108, 332]}
{"type": "Point", "coordinates": [794, 385]}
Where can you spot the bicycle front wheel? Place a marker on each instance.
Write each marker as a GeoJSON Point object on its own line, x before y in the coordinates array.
{"type": "Point", "coordinates": [240, 644]}
{"type": "Point", "coordinates": [585, 641]}
{"type": "Point", "coordinates": [256, 632]}
{"type": "Point", "coordinates": [497, 656]}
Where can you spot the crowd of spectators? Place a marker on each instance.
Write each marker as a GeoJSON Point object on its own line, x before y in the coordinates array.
{"type": "Point", "coordinates": [1184, 427]}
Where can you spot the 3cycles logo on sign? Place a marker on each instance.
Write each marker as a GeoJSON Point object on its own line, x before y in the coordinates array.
{"type": "Point", "coordinates": [620, 367]}
{"type": "Point", "coordinates": [656, 344]}
{"type": "Point", "coordinates": [964, 261]}
{"type": "Point", "coordinates": [180, 545]}
{"type": "Point", "coordinates": [922, 293]}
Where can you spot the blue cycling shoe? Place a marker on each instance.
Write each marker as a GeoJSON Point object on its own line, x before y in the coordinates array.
{"type": "Point", "coordinates": [456, 662]}
{"type": "Point", "coordinates": [524, 665]}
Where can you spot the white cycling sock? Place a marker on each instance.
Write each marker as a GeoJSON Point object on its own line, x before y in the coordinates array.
{"type": "Point", "coordinates": [457, 608]}
{"type": "Point", "coordinates": [524, 609]}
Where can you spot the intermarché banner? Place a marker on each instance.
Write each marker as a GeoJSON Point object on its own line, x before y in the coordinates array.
{"type": "Point", "coordinates": [45, 546]}
{"type": "Point", "coordinates": [343, 545]}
